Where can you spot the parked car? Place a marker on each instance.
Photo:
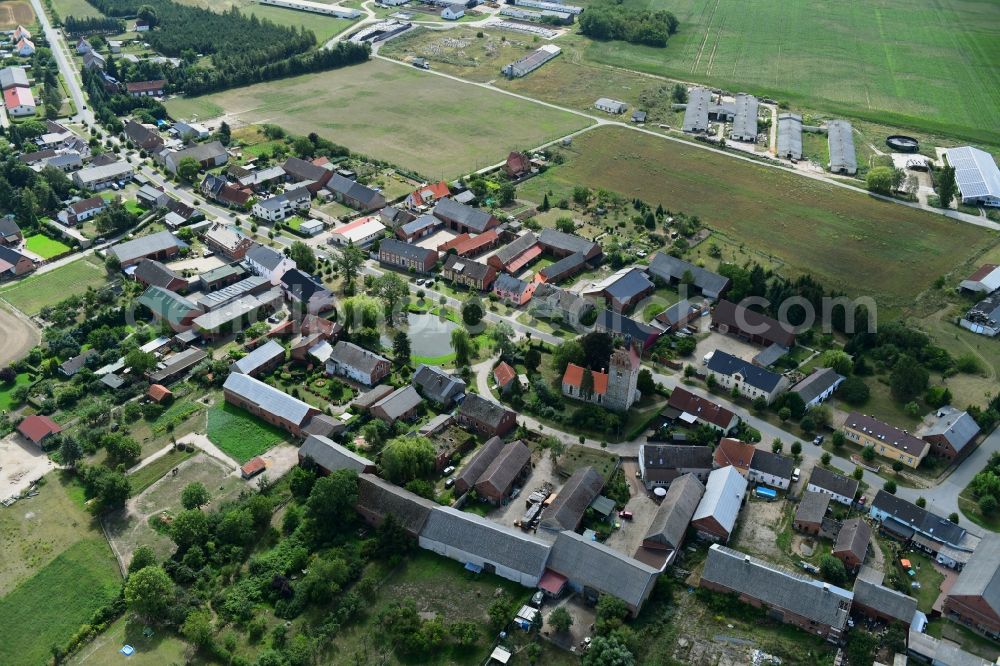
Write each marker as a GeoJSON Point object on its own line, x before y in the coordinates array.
{"type": "Point", "coordinates": [448, 470]}
{"type": "Point", "coordinates": [625, 515]}
{"type": "Point", "coordinates": [449, 483]}
{"type": "Point", "coordinates": [537, 598]}
{"type": "Point", "coordinates": [818, 440]}
{"type": "Point", "coordinates": [795, 475]}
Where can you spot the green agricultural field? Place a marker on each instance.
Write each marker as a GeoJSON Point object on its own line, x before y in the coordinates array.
{"type": "Point", "coordinates": [45, 247]}
{"type": "Point", "coordinates": [33, 293]}
{"type": "Point", "coordinates": [443, 129]}
{"type": "Point", "coordinates": [930, 64]}
{"type": "Point", "coordinates": [77, 8]}
{"type": "Point", "coordinates": [239, 433]}
{"type": "Point", "coordinates": [48, 608]}
{"type": "Point", "coordinates": [846, 239]}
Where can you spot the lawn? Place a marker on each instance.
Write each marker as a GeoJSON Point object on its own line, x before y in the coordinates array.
{"type": "Point", "coordinates": [48, 608]}
{"type": "Point", "coordinates": [163, 647]}
{"type": "Point", "coordinates": [930, 580]}
{"type": "Point", "coordinates": [459, 128]}
{"type": "Point", "coordinates": [146, 476]}
{"type": "Point", "coordinates": [888, 60]}
{"type": "Point", "coordinates": [239, 433]}
{"type": "Point", "coordinates": [812, 227]}
{"type": "Point", "coordinates": [45, 247]}
{"type": "Point", "coordinates": [324, 27]}
{"type": "Point", "coordinates": [6, 399]}
{"type": "Point", "coordinates": [577, 457]}
{"type": "Point", "coordinates": [36, 292]}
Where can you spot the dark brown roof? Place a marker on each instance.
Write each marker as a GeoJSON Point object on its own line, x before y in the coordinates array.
{"type": "Point", "coordinates": [750, 322]}
{"type": "Point", "coordinates": [378, 498]}
{"type": "Point", "coordinates": [704, 409]}
{"type": "Point", "coordinates": [853, 537]}
{"type": "Point", "coordinates": [505, 467]}
{"type": "Point", "coordinates": [469, 475]}
{"type": "Point", "coordinates": [573, 498]}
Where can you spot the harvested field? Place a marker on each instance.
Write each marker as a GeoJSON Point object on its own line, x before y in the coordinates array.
{"type": "Point", "coordinates": [19, 335]}
{"type": "Point", "coordinates": [15, 13]}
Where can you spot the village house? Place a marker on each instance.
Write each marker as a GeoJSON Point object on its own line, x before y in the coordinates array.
{"type": "Point", "coordinates": [222, 191]}
{"type": "Point", "coordinates": [750, 380]}
{"type": "Point", "coordinates": [812, 605]}
{"type": "Point", "coordinates": [840, 488]}
{"type": "Point", "coordinates": [467, 477]}
{"type": "Point", "coordinates": [562, 305]}
{"type": "Point", "coordinates": [464, 219]}
{"type": "Point", "coordinates": [305, 293]}
{"type": "Point", "coordinates": [151, 197]}
{"type": "Point", "coordinates": [437, 385]}
{"type": "Point", "coordinates": [614, 389]}
{"type": "Point", "coordinates": [268, 403]}
{"type": "Point", "coordinates": [71, 367]}
{"type": "Point", "coordinates": [512, 290]}
{"type": "Point", "coordinates": [851, 545]}
{"type": "Point", "coordinates": [974, 600]}
{"type": "Point", "coordinates": [353, 194]}
{"type": "Point", "coordinates": [517, 164]}
{"type": "Point", "coordinates": [818, 386]}
{"type": "Point", "coordinates": [160, 246]}
{"type": "Point", "coordinates": [468, 273]}
{"type": "Point", "coordinates": [358, 364]}
{"type": "Point", "coordinates": [328, 457]}
{"type": "Point", "coordinates": [661, 464]}
{"type": "Point", "coordinates": [362, 232]}
{"type": "Point", "coordinates": [261, 361]}
{"type": "Point", "coordinates": [10, 233]}
{"type": "Point", "coordinates": [950, 432]}
{"type": "Point", "coordinates": [82, 210]}
{"type": "Point", "coordinates": [268, 263]}
{"type": "Point", "coordinates": [427, 195]}
{"type": "Point", "coordinates": [400, 405]}
{"type": "Point", "coordinates": [946, 541]}
{"type": "Point", "coordinates": [715, 517]}
{"type": "Point", "coordinates": [504, 376]}
{"type": "Point", "coordinates": [143, 136]}
{"type": "Point", "coordinates": [509, 467]}
{"type": "Point", "coordinates": [617, 325]}
{"type": "Point", "coordinates": [888, 441]}
{"type": "Point", "coordinates": [571, 502]}
{"type": "Point", "coordinates": [485, 416]}
{"type": "Point", "coordinates": [675, 271]}
{"type": "Point", "coordinates": [394, 252]}
{"type": "Point", "coordinates": [560, 244]}
{"type": "Point", "coordinates": [301, 171]}
{"type": "Point", "coordinates": [19, 102]}
{"type": "Point", "coordinates": [517, 254]}
{"type": "Point", "coordinates": [94, 60]}
{"type": "Point", "coordinates": [623, 289]}
{"type": "Point", "coordinates": [810, 512]}
{"type": "Point", "coordinates": [262, 179]}
{"type": "Point", "coordinates": [152, 273]}
{"type": "Point", "coordinates": [207, 155]}
{"type": "Point", "coordinates": [667, 530]}
{"type": "Point", "coordinates": [228, 241]}
{"type": "Point", "coordinates": [282, 206]}
{"type": "Point", "coordinates": [771, 469]}
{"type": "Point", "coordinates": [733, 452]}
{"type": "Point", "coordinates": [38, 428]}
{"type": "Point", "coordinates": [731, 319]}
{"type": "Point", "coordinates": [693, 409]}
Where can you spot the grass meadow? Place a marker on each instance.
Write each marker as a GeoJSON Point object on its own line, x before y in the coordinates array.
{"type": "Point", "coordinates": [930, 64]}
{"type": "Point", "coordinates": [35, 292]}
{"type": "Point", "coordinates": [239, 433]}
{"type": "Point", "coordinates": [45, 247]}
{"type": "Point", "coordinates": [444, 128]}
{"type": "Point", "coordinates": [846, 239]}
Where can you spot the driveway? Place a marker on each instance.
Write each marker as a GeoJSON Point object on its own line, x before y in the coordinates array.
{"type": "Point", "coordinates": [725, 343]}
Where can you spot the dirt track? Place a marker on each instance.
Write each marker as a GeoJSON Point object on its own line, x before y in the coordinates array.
{"type": "Point", "coordinates": [17, 336]}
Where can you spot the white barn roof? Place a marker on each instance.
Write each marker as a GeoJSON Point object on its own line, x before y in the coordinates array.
{"type": "Point", "coordinates": [723, 496]}
{"type": "Point", "coordinates": [976, 173]}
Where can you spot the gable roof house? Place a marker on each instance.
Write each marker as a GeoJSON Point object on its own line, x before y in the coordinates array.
{"type": "Point", "coordinates": [281, 206]}
{"type": "Point", "coordinates": [662, 464]}
{"type": "Point", "coordinates": [261, 360]}
{"type": "Point", "coordinates": [695, 409]}
{"type": "Point", "coordinates": [678, 315]}
{"type": "Point", "coordinates": [567, 509]}
{"type": "Point", "coordinates": [673, 270]}
{"type": "Point", "coordinates": [595, 569]}
{"type": "Point", "coordinates": [268, 403]}
{"type": "Point", "coordinates": [37, 428]}
{"type": "Point", "coordinates": [719, 508]}
{"type": "Point", "coordinates": [887, 440]}
{"type": "Point", "coordinates": [810, 512]}
{"type": "Point", "coordinates": [771, 469]}
{"type": "Point", "coordinates": [483, 545]}
{"type": "Point", "coordinates": [82, 210]}
{"type": "Point", "coordinates": [974, 600]}
{"type": "Point", "coordinates": [171, 307]}
{"type": "Point", "coordinates": [222, 191]}
{"type": "Point", "coordinates": [427, 194]}
{"type": "Point", "coordinates": [512, 290]}
{"type": "Point", "coordinates": [469, 273]}
{"type": "Point", "coordinates": [477, 464]}
{"type": "Point", "coordinates": [851, 545]}
{"type": "Point", "coordinates": [10, 233]}
{"type": "Point", "coordinates": [517, 254]}
{"type": "Point", "coordinates": [465, 245]}
{"type": "Point", "coordinates": [143, 136]}
{"type": "Point", "coordinates": [623, 289]}
{"type": "Point", "coordinates": [395, 252]}
{"type": "Point", "coordinates": [561, 244]}
{"type": "Point", "coordinates": [750, 380]}
{"type": "Point", "coordinates": [74, 365]}
{"type": "Point", "coordinates": [354, 194]}
{"type": "Point", "coordinates": [400, 405]}
{"type": "Point", "coordinates": [418, 228]}
{"type": "Point", "coordinates": [818, 386]}
{"type": "Point", "coordinates": [670, 522]}
{"type": "Point", "coordinates": [159, 246]}
{"type": "Point", "coordinates": [759, 329]}
{"type": "Point", "coordinates": [268, 263]}
{"type": "Point", "coordinates": [561, 270]}
{"type": "Point", "coordinates": [356, 363]}
{"type": "Point", "coordinates": [94, 60]}
{"type": "Point", "coordinates": [306, 292]}
{"type": "Point", "coordinates": [551, 302]}
{"type": "Point", "coordinates": [735, 453]}
{"type": "Point", "coordinates": [299, 170]}
{"type": "Point", "coordinates": [464, 219]}
{"type": "Point", "coordinates": [13, 77]}
{"type": "Point", "coordinates": [517, 164]}
{"type": "Point", "coordinates": [618, 325]}
{"type": "Point", "coordinates": [378, 499]}
{"type": "Point", "coordinates": [154, 274]}
{"type": "Point", "coordinates": [883, 603]}
{"type": "Point", "coordinates": [840, 488]}
{"type": "Point", "coordinates": [146, 88]}
{"type": "Point", "coordinates": [207, 155]}
{"type": "Point", "coordinates": [811, 605]}
{"type": "Point", "coordinates": [437, 385]}
{"type": "Point", "coordinates": [176, 366]}
{"type": "Point", "coordinates": [329, 456]}
{"type": "Point", "coordinates": [947, 541]}
{"type": "Point", "coordinates": [950, 432]}
{"type": "Point", "coordinates": [507, 468]}
{"type": "Point", "coordinates": [984, 280]}
{"type": "Point", "coordinates": [485, 416]}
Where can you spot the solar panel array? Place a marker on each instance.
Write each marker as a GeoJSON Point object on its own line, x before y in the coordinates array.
{"type": "Point", "coordinates": [975, 172]}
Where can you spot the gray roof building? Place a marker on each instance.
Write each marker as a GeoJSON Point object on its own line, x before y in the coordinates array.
{"type": "Point", "coordinates": [351, 355]}
{"type": "Point", "coordinates": [980, 578]}
{"type": "Point", "coordinates": [819, 382]}
{"type": "Point", "coordinates": [498, 477]}
{"type": "Point", "coordinates": [476, 219]}
{"type": "Point", "coordinates": [589, 564]}
{"type": "Point", "coordinates": [566, 510]}
{"type": "Point", "coordinates": [437, 385]}
{"type": "Point", "coordinates": [951, 425]}
{"type": "Point", "coordinates": [266, 397]}
{"type": "Point", "coordinates": [378, 499]}
{"type": "Point", "coordinates": [268, 353]}
{"type": "Point", "coordinates": [252, 284]}
{"type": "Point", "coordinates": [745, 122]}
{"type": "Point", "coordinates": [812, 508]}
{"type": "Point", "coordinates": [778, 588]}
{"type": "Point", "coordinates": [145, 246]}
{"type": "Point", "coordinates": [790, 136]}
{"type": "Point", "coordinates": [661, 463]}
{"type": "Point", "coordinates": [885, 601]}
{"type": "Point", "coordinates": [671, 520]}
{"type": "Point", "coordinates": [332, 456]}
{"type": "Point", "coordinates": [352, 189]}
{"type": "Point", "coordinates": [516, 248]}
{"type": "Point", "coordinates": [773, 464]}
{"type": "Point", "coordinates": [833, 483]}
{"type": "Point", "coordinates": [887, 506]}
{"type": "Point", "coordinates": [729, 365]}
{"type": "Point", "coordinates": [397, 404]}
{"type": "Point", "coordinates": [265, 256]}
{"type": "Point", "coordinates": [483, 458]}
{"type": "Point", "coordinates": [696, 111]}
{"type": "Point", "coordinates": [671, 269]}
{"type": "Point", "coordinates": [561, 242]}
{"type": "Point", "coordinates": [11, 77]}
{"type": "Point", "coordinates": [840, 136]}
{"type": "Point", "coordinates": [154, 274]}
{"type": "Point", "coordinates": [564, 268]}
{"type": "Point", "coordinates": [177, 365]}
{"type": "Point", "coordinates": [409, 251]}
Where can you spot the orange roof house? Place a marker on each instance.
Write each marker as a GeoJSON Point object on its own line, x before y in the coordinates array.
{"type": "Point", "coordinates": [427, 194]}
{"type": "Point", "coordinates": [37, 428]}
{"type": "Point", "coordinates": [504, 375]}
{"type": "Point", "coordinates": [517, 164]}
{"type": "Point", "coordinates": [158, 392]}
{"type": "Point", "coordinates": [734, 452]}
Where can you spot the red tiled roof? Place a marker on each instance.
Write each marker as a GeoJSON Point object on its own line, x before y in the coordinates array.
{"type": "Point", "coordinates": [454, 242]}
{"type": "Point", "coordinates": [518, 162]}
{"type": "Point", "coordinates": [504, 374]}
{"type": "Point", "coordinates": [13, 97]}
{"type": "Point", "coordinates": [470, 245]}
{"type": "Point", "coordinates": [552, 582]}
{"type": "Point", "coordinates": [523, 260]}
{"type": "Point", "coordinates": [158, 392]}
{"type": "Point", "coordinates": [734, 452]}
{"type": "Point", "coordinates": [435, 191]}
{"type": "Point", "coordinates": [704, 409]}
{"type": "Point", "coordinates": [574, 377]}
{"type": "Point", "coordinates": [145, 86]}
{"type": "Point", "coordinates": [982, 272]}
{"type": "Point", "coordinates": [321, 161]}
{"type": "Point", "coordinates": [253, 466]}
{"type": "Point", "coordinates": [37, 427]}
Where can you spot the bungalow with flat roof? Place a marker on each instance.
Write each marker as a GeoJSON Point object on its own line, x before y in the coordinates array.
{"type": "Point", "coordinates": [400, 405]}
{"type": "Point", "coordinates": [328, 456]}
{"type": "Point", "coordinates": [463, 218]}
{"type": "Point", "coordinates": [811, 605]}
{"type": "Point", "coordinates": [567, 509]}
{"type": "Point", "coordinates": [818, 386]}
{"type": "Point", "coordinates": [160, 246]}
{"type": "Point", "coordinates": [393, 252]}
{"type": "Point", "coordinates": [661, 464]}
{"type": "Point", "coordinates": [260, 361]}
{"type": "Point", "coordinates": [507, 468]}
{"type": "Point", "coordinates": [670, 522]}
{"type": "Point", "coordinates": [729, 318]}
{"type": "Point", "coordinates": [268, 403]}
{"type": "Point", "coordinates": [974, 599]}
{"type": "Point", "coordinates": [851, 545]}
{"type": "Point", "coordinates": [719, 508]}
{"type": "Point", "coordinates": [438, 386]}
{"type": "Point", "coordinates": [469, 273]}
{"type": "Point", "coordinates": [379, 499]}
{"type": "Point", "coordinates": [950, 432]}
{"type": "Point", "coordinates": [810, 512]}
{"type": "Point", "coordinates": [840, 488]}
{"type": "Point", "coordinates": [358, 364]}
{"type": "Point", "coordinates": [694, 409]}
{"type": "Point", "coordinates": [484, 416]}
{"type": "Point", "coordinates": [888, 441]}
{"type": "Point", "coordinates": [674, 271]}
{"type": "Point", "coordinates": [171, 307]}
{"type": "Point", "coordinates": [750, 380]}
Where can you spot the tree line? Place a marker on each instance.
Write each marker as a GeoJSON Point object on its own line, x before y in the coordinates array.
{"type": "Point", "coordinates": [637, 26]}
{"type": "Point", "coordinates": [91, 25]}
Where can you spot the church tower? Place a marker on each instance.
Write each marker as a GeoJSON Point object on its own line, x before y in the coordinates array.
{"type": "Point", "coordinates": [623, 376]}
